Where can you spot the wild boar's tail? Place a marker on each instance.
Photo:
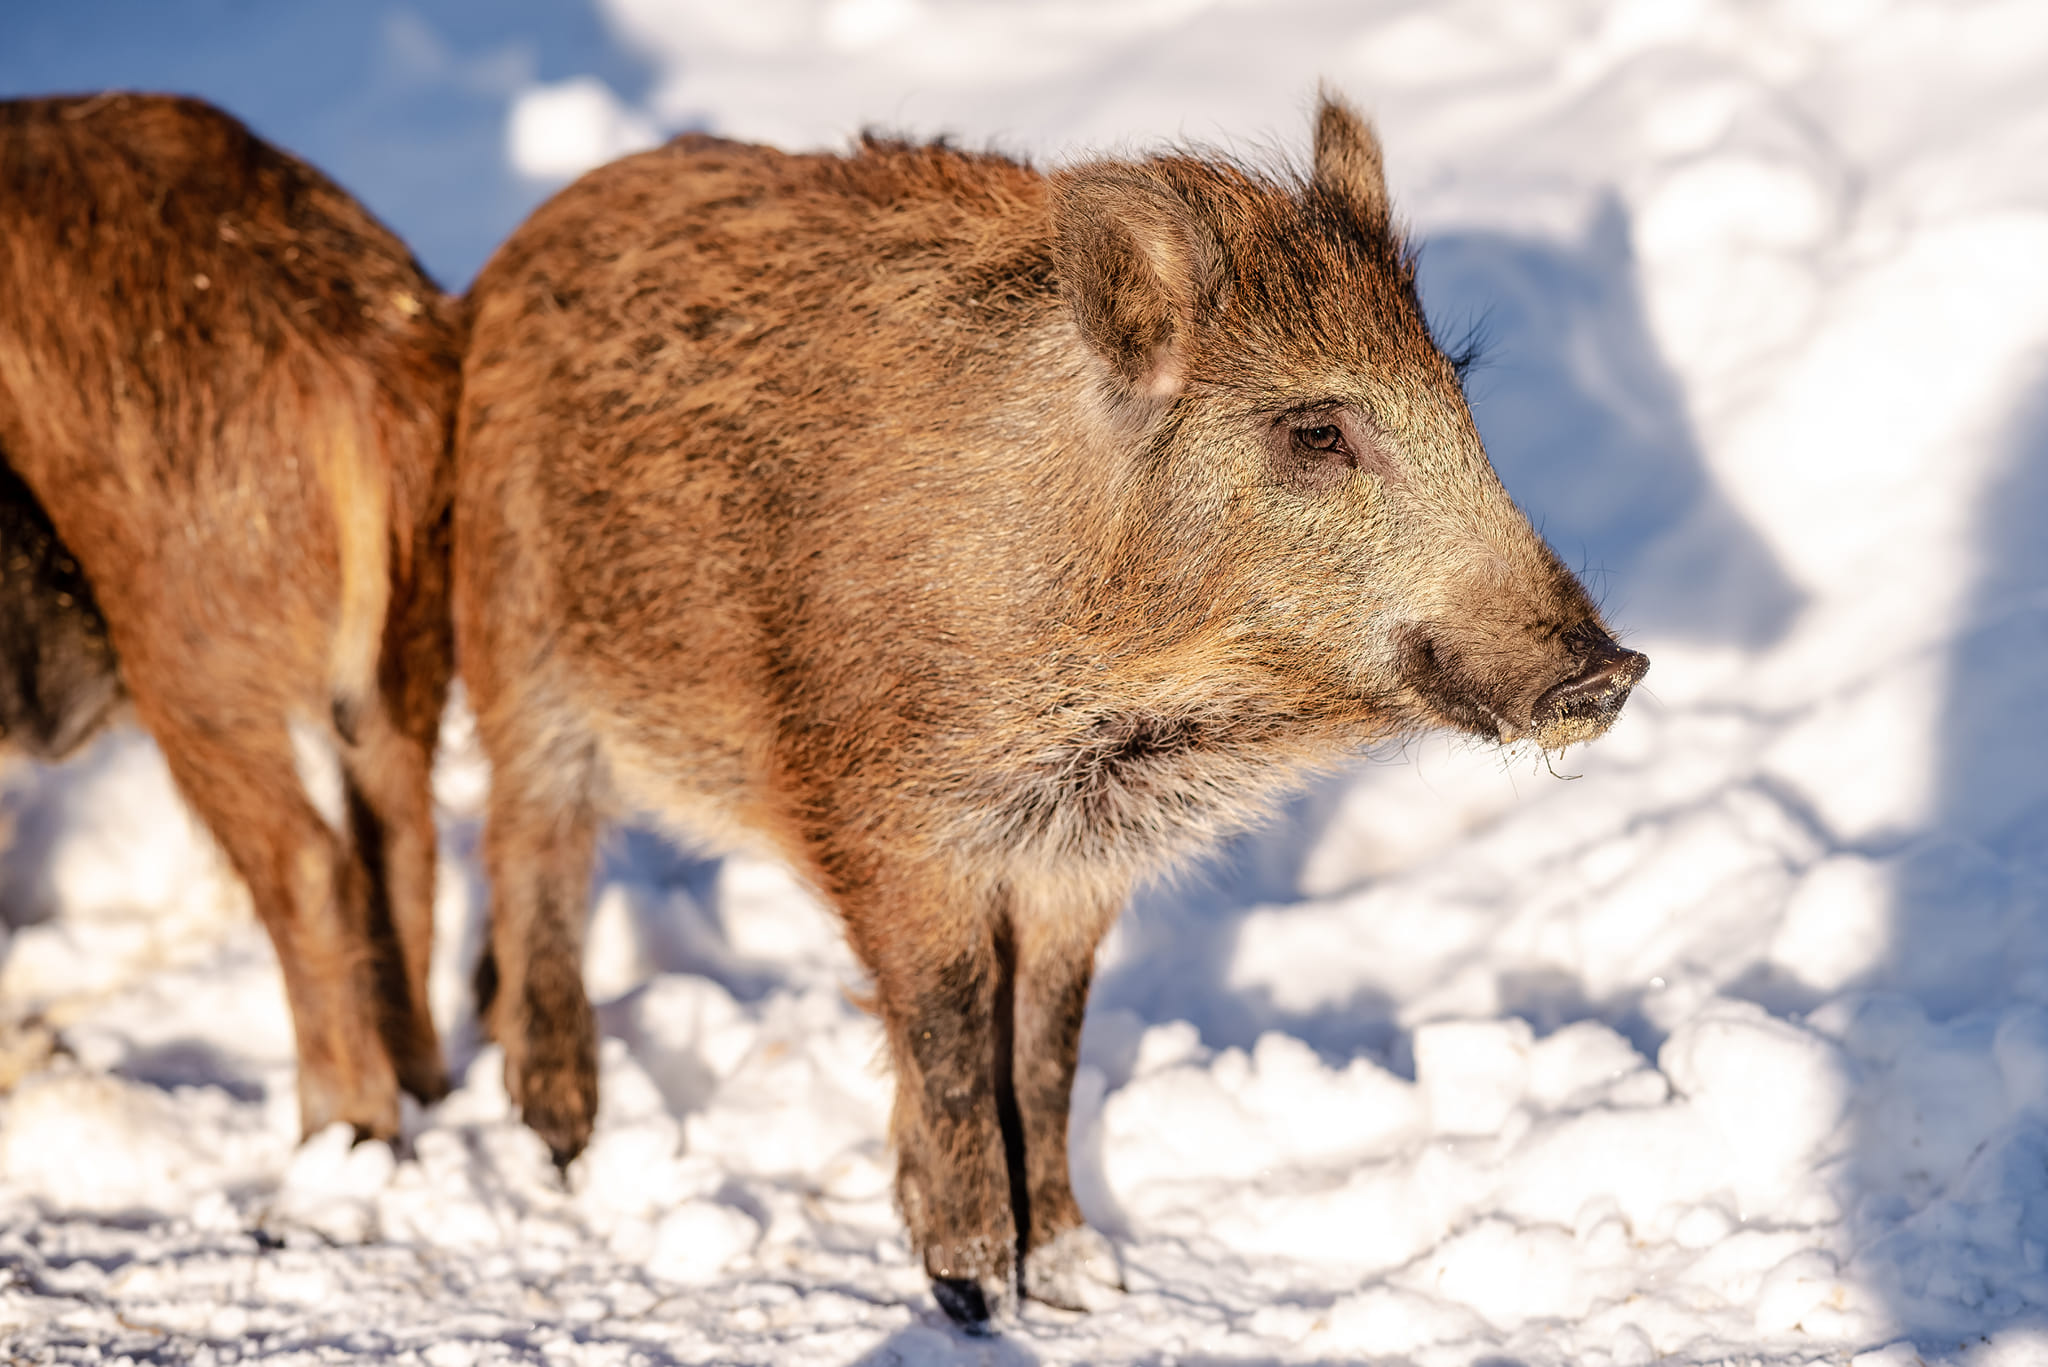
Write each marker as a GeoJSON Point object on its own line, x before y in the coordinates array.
{"type": "Point", "coordinates": [360, 497]}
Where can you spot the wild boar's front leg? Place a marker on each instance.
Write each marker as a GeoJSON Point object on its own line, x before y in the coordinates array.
{"type": "Point", "coordinates": [939, 970]}
{"type": "Point", "coordinates": [1065, 1263]}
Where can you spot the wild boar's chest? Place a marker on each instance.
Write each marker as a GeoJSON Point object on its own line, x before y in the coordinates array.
{"type": "Point", "coordinates": [1136, 788]}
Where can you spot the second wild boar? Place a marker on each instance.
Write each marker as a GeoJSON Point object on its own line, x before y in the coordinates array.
{"type": "Point", "coordinates": [232, 391]}
{"type": "Point", "coordinates": [981, 541]}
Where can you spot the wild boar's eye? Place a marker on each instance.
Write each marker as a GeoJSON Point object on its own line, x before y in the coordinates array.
{"type": "Point", "coordinates": [1319, 451]}
{"type": "Point", "coordinates": [1325, 440]}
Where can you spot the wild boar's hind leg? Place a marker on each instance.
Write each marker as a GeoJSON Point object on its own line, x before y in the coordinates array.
{"type": "Point", "coordinates": [1065, 1263]}
{"type": "Point", "coordinates": [391, 820]}
{"type": "Point", "coordinates": [389, 771]}
{"type": "Point", "coordinates": [537, 850]}
{"type": "Point", "coordinates": [309, 890]}
{"type": "Point", "coordinates": [940, 960]}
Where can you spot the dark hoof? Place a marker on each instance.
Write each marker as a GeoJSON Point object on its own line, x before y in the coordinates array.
{"type": "Point", "coordinates": [566, 1137]}
{"type": "Point", "coordinates": [964, 1303]}
{"type": "Point", "coordinates": [426, 1083]}
{"type": "Point", "coordinates": [561, 1107]}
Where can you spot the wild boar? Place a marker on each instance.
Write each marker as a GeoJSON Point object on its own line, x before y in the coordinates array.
{"type": "Point", "coordinates": [233, 390]}
{"type": "Point", "coordinates": [59, 681]}
{"type": "Point", "coordinates": [981, 541]}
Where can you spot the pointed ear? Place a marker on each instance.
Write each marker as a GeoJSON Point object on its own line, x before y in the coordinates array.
{"type": "Point", "coordinates": [1348, 159]}
{"type": "Point", "coordinates": [1137, 270]}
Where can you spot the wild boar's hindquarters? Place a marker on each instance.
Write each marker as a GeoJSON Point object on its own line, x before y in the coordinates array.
{"type": "Point", "coordinates": [981, 542]}
{"type": "Point", "coordinates": [234, 393]}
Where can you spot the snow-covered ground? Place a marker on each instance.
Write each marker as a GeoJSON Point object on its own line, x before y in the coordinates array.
{"type": "Point", "coordinates": [1733, 1047]}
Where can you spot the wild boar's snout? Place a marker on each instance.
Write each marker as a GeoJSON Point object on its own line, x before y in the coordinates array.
{"type": "Point", "coordinates": [1498, 680]}
{"type": "Point", "coordinates": [1585, 703]}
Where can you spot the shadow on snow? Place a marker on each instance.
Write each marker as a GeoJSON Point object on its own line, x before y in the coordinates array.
{"type": "Point", "coordinates": [1955, 1170]}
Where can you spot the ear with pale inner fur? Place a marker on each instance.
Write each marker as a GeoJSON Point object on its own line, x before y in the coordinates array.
{"type": "Point", "coordinates": [1348, 159]}
{"type": "Point", "coordinates": [1137, 270]}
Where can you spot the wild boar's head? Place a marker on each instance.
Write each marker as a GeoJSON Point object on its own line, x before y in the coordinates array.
{"type": "Point", "coordinates": [1310, 498]}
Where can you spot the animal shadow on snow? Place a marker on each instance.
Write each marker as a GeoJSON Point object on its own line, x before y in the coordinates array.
{"type": "Point", "coordinates": [927, 1345]}
{"type": "Point", "coordinates": [931, 1342]}
{"type": "Point", "coordinates": [39, 804]}
{"type": "Point", "coordinates": [655, 909]}
{"type": "Point", "coordinates": [1589, 432]}
{"type": "Point", "coordinates": [1969, 942]}
{"type": "Point", "coordinates": [1993, 787]}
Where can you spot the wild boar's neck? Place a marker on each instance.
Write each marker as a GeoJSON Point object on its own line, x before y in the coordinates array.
{"type": "Point", "coordinates": [1082, 509]}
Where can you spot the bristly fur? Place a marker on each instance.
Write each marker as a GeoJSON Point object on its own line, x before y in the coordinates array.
{"type": "Point", "coordinates": [233, 391]}
{"type": "Point", "coordinates": [982, 541]}
{"type": "Point", "coordinates": [1470, 352]}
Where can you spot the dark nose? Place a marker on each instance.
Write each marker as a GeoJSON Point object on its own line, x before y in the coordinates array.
{"type": "Point", "coordinates": [1598, 690]}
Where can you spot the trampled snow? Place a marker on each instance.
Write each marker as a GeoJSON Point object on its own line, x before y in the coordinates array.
{"type": "Point", "coordinates": [1728, 1041]}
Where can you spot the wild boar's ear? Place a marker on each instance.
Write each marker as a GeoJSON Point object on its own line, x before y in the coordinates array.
{"type": "Point", "coordinates": [1348, 159]}
{"type": "Point", "coordinates": [1137, 269]}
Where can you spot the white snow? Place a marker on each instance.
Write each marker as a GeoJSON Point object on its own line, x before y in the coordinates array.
{"type": "Point", "coordinates": [1732, 1048]}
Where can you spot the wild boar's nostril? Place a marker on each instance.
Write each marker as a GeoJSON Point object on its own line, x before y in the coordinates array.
{"type": "Point", "coordinates": [1596, 692]}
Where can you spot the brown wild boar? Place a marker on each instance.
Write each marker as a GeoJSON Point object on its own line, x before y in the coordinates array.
{"type": "Point", "coordinates": [981, 541]}
{"type": "Point", "coordinates": [59, 682]}
{"type": "Point", "coordinates": [234, 391]}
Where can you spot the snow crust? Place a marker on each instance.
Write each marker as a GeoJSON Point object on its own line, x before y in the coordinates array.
{"type": "Point", "coordinates": [1732, 1048]}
